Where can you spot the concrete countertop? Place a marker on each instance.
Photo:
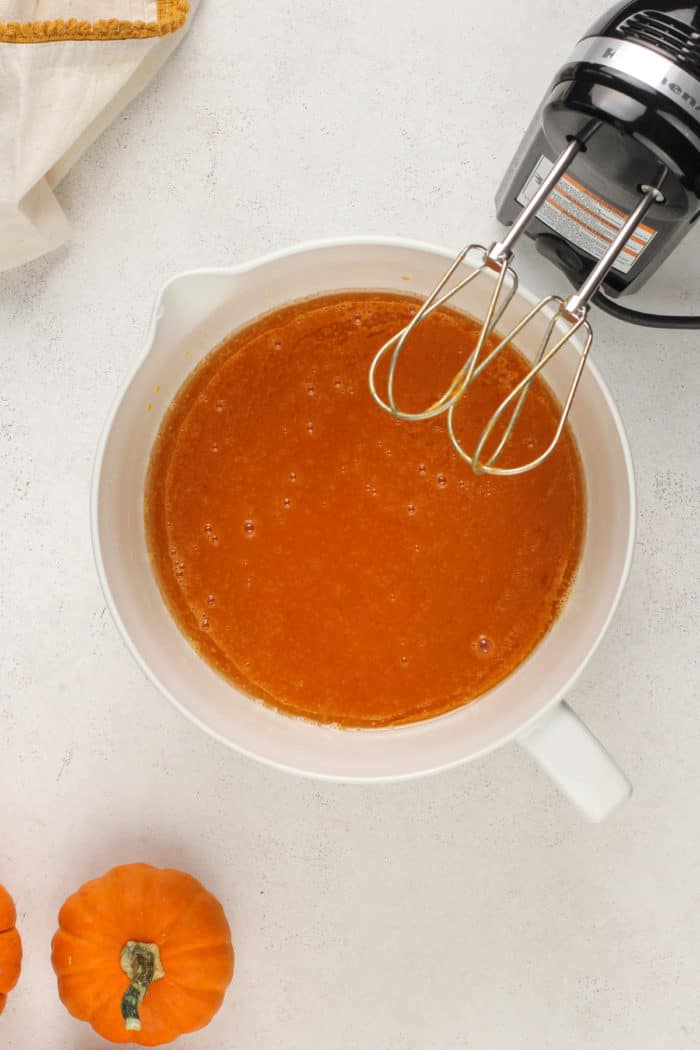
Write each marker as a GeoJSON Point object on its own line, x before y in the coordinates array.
{"type": "Point", "coordinates": [475, 909]}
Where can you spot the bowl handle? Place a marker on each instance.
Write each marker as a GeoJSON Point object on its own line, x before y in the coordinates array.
{"type": "Point", "coordinates": [567, 750]}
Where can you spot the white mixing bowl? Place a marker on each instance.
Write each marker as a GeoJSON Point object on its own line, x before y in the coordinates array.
{"type": "Point", "coordinates": [194, 312]}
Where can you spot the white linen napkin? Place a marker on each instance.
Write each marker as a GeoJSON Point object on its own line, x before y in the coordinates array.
{"type": "Point", "coordinates": [67, 69]}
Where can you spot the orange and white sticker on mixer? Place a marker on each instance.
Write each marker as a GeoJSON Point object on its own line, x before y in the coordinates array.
{"type": "Point", "coordinates": [583, 218]}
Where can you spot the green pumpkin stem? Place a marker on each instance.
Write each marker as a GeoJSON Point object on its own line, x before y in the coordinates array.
{"type": "Point", "coordinates": [141, 964]}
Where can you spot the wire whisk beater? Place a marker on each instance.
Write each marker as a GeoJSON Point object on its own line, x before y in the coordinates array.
{"type": "Point", "coordinates": [564, 323]}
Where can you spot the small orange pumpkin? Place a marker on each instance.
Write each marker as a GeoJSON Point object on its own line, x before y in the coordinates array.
{"type": "Point", "coordinates": [144, 954]}
{"type": "Point", "coordinates": [10, 947]}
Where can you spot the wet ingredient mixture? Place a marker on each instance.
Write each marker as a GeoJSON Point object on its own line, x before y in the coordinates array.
{"type": "Point", "coordinates": [334, 562]}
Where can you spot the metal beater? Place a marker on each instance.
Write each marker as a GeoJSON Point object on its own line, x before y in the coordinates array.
{"type": "Point", "coordinates": [626, 109]}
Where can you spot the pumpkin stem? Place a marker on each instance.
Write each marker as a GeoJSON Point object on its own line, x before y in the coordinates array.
{"type": "Point", "coordinates": [141, 964]}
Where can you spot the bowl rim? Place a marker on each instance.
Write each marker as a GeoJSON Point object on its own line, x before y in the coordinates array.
{"type": "Point", "coordinates": [299, 248]}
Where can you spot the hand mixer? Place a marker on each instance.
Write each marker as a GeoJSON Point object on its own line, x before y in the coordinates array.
{"type": "Point", "coordinates": [607, 182]}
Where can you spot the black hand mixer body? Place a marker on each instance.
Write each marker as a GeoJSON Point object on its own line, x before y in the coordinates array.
{"type": "Point", "coordinates": [630, 93]}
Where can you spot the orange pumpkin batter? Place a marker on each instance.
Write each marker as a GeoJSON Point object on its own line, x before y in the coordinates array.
{"type": "Point", "coordinates": [334, 562]}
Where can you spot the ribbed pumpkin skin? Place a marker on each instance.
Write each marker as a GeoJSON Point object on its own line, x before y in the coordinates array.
{"type": "Point", "coordinates": [137, 902]}
{"type": "Point", "coordinates": [10, 947]}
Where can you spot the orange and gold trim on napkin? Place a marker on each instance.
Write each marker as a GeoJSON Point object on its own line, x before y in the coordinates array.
{"type": "Point", "coordinates": [171, 16]}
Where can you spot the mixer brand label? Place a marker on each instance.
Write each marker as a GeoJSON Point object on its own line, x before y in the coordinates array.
{"type": "Point", "coordinates": [644, 65]}
{"type": "Point", "coordinates": [583, 218]}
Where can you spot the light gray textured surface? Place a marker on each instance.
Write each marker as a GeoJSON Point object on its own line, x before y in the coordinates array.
{"type": "Point", "coordinates": [472, 910]}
